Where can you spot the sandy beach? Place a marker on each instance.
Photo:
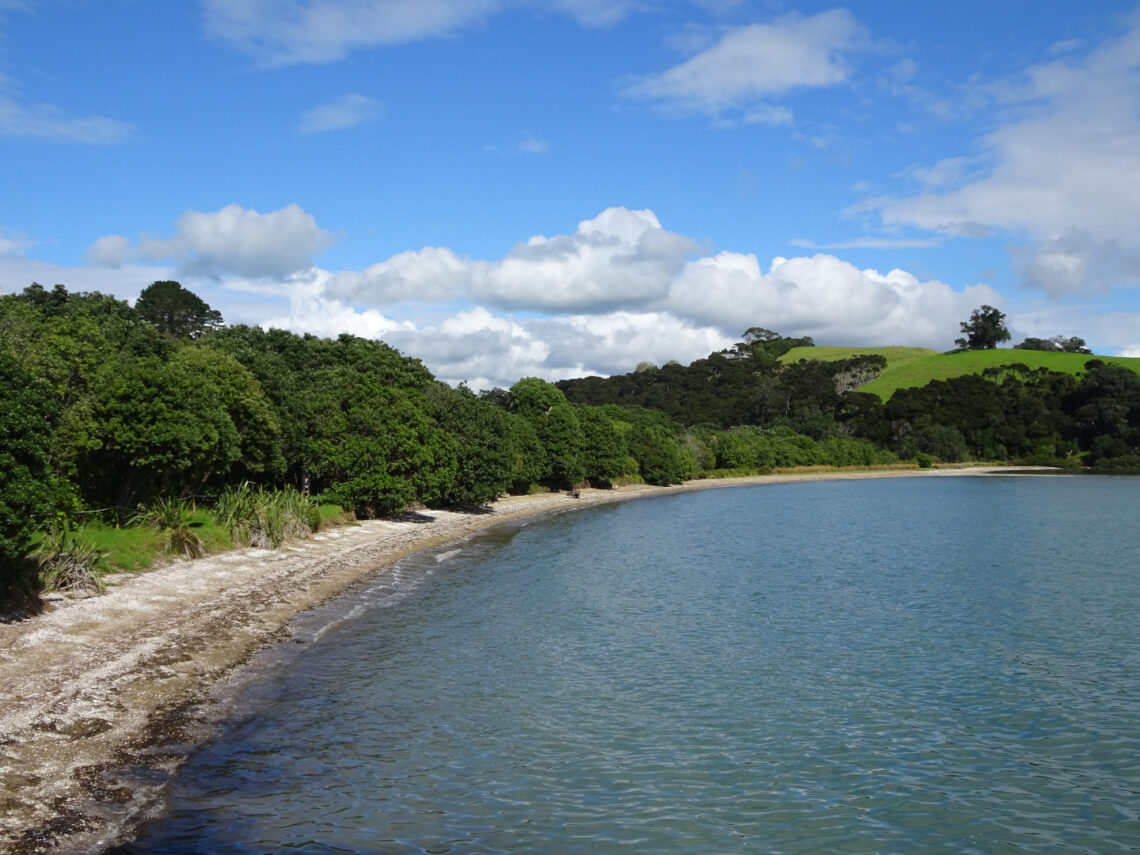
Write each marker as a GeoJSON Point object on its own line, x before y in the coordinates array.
{"type": "Point", "coordinates": [102, 697]}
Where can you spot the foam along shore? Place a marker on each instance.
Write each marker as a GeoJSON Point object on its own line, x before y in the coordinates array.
{"type": "Point", "coordinates": [101, 698]}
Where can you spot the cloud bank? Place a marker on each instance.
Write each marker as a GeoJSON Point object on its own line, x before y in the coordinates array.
{"type": "Point", "coordinates": [617, 290]}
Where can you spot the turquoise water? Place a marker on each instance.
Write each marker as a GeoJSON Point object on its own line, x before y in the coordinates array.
{"type": "Point", "coordinates": [935, 665]}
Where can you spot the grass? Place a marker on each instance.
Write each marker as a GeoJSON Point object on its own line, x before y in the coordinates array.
{"type": "Point", "coordinates": [943, 366]}
{"type": "Point", "coordinates": [134, 548]}
{"type": "Point", "coordinates": [917, 366]}
{"type": "Point", "coordinates": [826, 353]}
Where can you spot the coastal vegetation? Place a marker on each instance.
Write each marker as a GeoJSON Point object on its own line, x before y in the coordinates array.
{"type": "Point", "coordinates": [160, 420]}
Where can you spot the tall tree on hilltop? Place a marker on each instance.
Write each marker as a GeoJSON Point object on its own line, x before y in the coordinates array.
{"type": "Point", "coordinates": [984, 331]}
{"type": "Point", "coordinates": [175, 311]}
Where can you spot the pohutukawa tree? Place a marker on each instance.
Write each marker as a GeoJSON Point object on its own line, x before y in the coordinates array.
{"type": "Point", "coordinates": [984, 331]}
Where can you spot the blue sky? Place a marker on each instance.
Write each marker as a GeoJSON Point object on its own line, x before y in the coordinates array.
{"type": "Point", "coordinates": [507, 188]}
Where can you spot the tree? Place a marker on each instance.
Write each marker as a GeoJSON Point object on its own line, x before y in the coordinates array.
{"type": "Point", "coordinates": [175, 311]}
{"type": "Point", "coordinates": [555, 423]}
{"type": "Point", "coordinates": [1058, 343]}
{"type": "Point", "coordinates": [985, 329]}
{"type": "Point", "coordinates": [483, 452]}
{"type": "Point", "coordinates": [26, 409]}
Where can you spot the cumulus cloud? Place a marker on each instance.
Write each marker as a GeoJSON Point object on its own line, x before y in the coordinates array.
{"type": "Point", "coordinates": [1064, 172]}
{"type": "Point", "coordinates": [289, 32]}
{"type": "Point", "coordinates": [620, 289]}
{"type": "Point", "coordinates": [232, 240]}
{"type": "Point", "coordinates": [619, 258]}
{"type": "Point", "coordinates": [759, 61]}
{"type": "Point", "coordinates": [428, 274]}
{"type": "Point", "coordinates": [347, 111]}
{"type": "Point", "coordinates": [824, 297]}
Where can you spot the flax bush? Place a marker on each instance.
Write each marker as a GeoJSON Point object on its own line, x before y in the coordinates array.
{"type": "Point", "coordinates": [256, 516]}
{"type": "Point", "coordinates": [170, 517]}
{"type": "Point", "coordinates": [68, 561]}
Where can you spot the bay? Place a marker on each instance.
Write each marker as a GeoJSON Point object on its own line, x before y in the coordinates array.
{"type": "Point", "coordinates": [935, 664]}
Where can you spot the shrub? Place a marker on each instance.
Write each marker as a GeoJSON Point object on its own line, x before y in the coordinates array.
{"type": "Point", "coordinates": [68, 561]}
{"type": "Point", "coordinates": [170, 517]}
{"type": "Point", "coordinates": [255, 516]}
{"type": "Point", "coordinates": [924, 460]}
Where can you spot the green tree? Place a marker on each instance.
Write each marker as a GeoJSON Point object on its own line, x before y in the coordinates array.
{"type": "Point", "coordinates": [373, 447]}
{"type": "Point", "coordinates": [26, 408]}
{"type": "Point", "coordinates": [984, 330]}
{"type": "Point", "coordinates": [260, 453]}
{"type": "Point", "coordinates": [176, 311]}
{"type": "Point", "coordinates": [604, 451]}
{"type": "Point", "coordinates": [556, 425]}
{"type": "Point", "coordinates": [159, 428]}
{"type": "Point", "coordinates": [483, 451]}
{"type": "Point", "coordinates": [1056, 344]}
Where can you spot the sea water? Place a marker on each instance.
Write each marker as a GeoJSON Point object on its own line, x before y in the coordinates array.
{"type": "Point", "coordinates": [904, 665]}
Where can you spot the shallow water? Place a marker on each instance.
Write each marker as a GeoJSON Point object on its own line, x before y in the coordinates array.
{"type": "Point", "coordinates": [936, 664]}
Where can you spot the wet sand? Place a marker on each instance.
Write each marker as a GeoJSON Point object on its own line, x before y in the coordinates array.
{"type": "Point", "coordinates": [101, 698]}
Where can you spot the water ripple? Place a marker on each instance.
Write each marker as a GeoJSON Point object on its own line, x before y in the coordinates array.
{"type": "Point", "coordinates": [944, 665]}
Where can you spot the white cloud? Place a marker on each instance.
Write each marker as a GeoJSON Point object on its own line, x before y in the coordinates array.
{"type": "Point", "coordinates": [12, 243]}
{"type": "Point", "coordinates": [50, 124]}
{"type": "Point", "coordinates": [824, 297]}
{"type": "Point", "coordinates": [615, 343]}
{"type": "Point", "coordinates": [231, 240]}
{"type": "Point", "coordinates": [757, 62]}
{"type": "Point", "coordinates": [619, 258]}
{"type": "Point", "coordinates": [288, 32]}
{"type": "Point", "coordinates": [348, 111]}
{"type": "Point", "coordinates": [1076, 264]}
{"type": "Point", "coordinates": [485, 349]}
{"type": "Point", "coordinates": [617, 291]}
{"type": "Point", "coordinates": [600, 13]}
{"type": "Point", "coordinates": [125, 283]}
{"type": "Point", "coordinates": [109, 251]}
{"type": "Point", "coordinates": [1062, 173]}
{"type": "Point", "coordinates": [428, 274]}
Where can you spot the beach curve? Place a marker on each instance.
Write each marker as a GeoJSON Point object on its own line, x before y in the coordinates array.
{"type": "Point", "coordinates": [104, 697]}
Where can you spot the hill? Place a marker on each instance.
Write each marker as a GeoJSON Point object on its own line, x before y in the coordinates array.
{"type": "Point", "coordinates": [894, 355]}
{"type": "Point", "coordinates": [915, 366]}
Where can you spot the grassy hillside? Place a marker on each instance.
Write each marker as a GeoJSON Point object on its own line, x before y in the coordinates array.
{"type": "Point", "coordinates": [915, 366]}
{"type": "Point", "coordinates": [894, 355]}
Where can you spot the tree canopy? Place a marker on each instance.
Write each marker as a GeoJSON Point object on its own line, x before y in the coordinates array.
{"type": "Point", "coordinates": [984, 330]}
{"type": "Point", "coordinates": [176, 311]}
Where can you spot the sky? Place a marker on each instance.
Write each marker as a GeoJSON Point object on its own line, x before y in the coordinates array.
{"type": "Point", "coordinates": [510, 188]}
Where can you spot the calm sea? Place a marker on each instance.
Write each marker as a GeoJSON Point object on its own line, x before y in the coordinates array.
{"type": "Point", "coordinates": [911, 665]}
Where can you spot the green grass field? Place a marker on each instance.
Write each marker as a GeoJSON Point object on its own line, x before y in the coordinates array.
{"type": "Point", "coordinates": [893, 355]}
{"type": "Point", "coordinates": [916, 366]}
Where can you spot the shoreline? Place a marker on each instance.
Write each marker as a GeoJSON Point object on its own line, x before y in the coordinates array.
{"type": "Point", "coordinates": [105, 696]}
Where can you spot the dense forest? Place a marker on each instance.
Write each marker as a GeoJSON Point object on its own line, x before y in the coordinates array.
{"type": "Point", "coordinates": [108, 410]}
